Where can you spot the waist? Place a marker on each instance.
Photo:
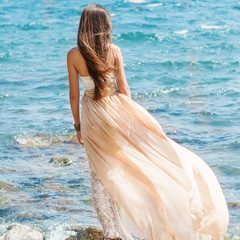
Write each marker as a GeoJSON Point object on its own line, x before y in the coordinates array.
{"type": "Point", "coordinates": [90, 92]}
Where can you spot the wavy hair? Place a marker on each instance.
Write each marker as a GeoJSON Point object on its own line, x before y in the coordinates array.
{"type": "Point", "coordinates": [94, 42]}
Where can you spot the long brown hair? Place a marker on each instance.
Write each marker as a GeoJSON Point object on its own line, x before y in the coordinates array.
{"type": "Point", "coordinates": [94, 43]}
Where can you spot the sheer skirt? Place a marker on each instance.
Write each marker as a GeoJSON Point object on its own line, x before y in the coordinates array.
{"type": "Point", "coordinates": [164, 191]}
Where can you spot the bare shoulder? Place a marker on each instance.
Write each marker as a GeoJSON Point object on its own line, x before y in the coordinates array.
{"type": "Point", "coordinates": [115, 48]}
{"type": "Point", "coordinates": [117, 54]}
{"type": "Point", "coordinates": [74, 53]}
{"type": "Point", "coordinates": [75, 58]}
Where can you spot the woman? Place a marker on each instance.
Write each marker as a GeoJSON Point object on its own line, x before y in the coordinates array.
{"type": "Point", "coordinates": [144, 185]}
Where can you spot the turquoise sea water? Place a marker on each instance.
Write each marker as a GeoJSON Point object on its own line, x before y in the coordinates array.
{"type": "Point", "coordinates": [182, 62]}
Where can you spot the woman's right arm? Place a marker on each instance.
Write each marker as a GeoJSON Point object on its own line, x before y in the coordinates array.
{"type": "Point", "coordinates": [74, 91]}
{"type": "Point", "coordinates": [120, 73]}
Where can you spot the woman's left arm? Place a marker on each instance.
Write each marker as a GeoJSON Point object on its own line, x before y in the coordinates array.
{"type": "Point", "coordinates": [74, 90]}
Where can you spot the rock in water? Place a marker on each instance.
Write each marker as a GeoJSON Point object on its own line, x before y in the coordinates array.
{"type": "Point", "coordinates": [83, 233]}
{"type": "Point", "coordinates": [21, 232]}
{"type": "Point", "coordinates": [61, 161]}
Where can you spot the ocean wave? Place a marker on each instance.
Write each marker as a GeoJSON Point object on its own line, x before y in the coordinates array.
{"type": "Point", "coordinates": [136, 1]}
{"type": "Point", "coordinates": [181, 32]}
{"type": "Point", "coordinates": [230, 170]}
{"type": "Point", "coordinates": [153, 5]}
{"type": "Point", "coordinates": [138, 36]}
{"type": "Point", "coordinates": [58, 231]}
{"type": "Point", "coordinates": [158, 92]}
{"type": "Point", "coordinates": [43, 140]}
{"type": "Point", "coordinates": [33, 26]}
{"type": "Point", "coordinates": [27, 26]}
{"type": "Point", "coordinates": [6, 187]}
{"type": "Point", "coordinates": [204, 64]}
{"type": "Point", "coordinates": [205, 113]}
{"type": "Point", "coordinates": [192, 98]}
{"type": "Point", "coordinates": [6, 56]}
{"type": "Point", "coordinates": [213, 27]}
{"type": "Point", "coordinates": [2, 96]}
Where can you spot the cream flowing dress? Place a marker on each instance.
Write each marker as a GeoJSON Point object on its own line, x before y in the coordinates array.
{"type": "Point", "coordinates": [145, 185]}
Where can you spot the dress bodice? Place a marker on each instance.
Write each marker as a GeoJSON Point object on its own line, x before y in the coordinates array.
{"type": "Point", "coordinates": [89, 85]}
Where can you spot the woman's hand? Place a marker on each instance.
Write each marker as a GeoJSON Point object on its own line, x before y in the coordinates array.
{"type": "Point", "coordinates": [79, 137]}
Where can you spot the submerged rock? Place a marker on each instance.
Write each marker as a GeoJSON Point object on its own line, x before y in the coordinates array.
{"type": "Point", "coordinates": [6, 187]}
{"type": "Point", "coordinates": [86, 233]}
{"type": "Point", "coordinates": [89, 233]}
{"type": "Point", "coordinates": [61, 161]}
{"type": "Point", "coordinates": [21, 232]}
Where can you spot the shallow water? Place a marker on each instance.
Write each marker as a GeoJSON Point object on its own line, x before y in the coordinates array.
{"type": "Point", "coordinates": [182, 62]}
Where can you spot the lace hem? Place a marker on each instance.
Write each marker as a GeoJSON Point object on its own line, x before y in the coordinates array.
{"type": "Point", "coordinates": [106, 207]}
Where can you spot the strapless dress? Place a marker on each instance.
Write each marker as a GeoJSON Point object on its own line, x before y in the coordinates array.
{"type": "Point", "coordinates": [145, 185]}
{"type": "Point", "coordinates": [89, 86]}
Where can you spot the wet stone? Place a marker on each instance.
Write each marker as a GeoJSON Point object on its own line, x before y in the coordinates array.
{"type": "Point", "coordinates": [21, 232]}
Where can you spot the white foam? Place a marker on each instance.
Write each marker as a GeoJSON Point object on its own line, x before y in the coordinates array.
{"type": "Point", "coordinates": [160, 38]}
{"type": "Point", "coordinates": [42, 140]}
{"type": "Point", "coordinates": [58, 232]}
{"type": "Point", "coordinates": [212, 27]}
{"type": "Point", "coordinates": [136, 1]}
{"type": "Point", "coordinates": [181, 32]}
{"type": "Point", "coordinates": [154, 5]}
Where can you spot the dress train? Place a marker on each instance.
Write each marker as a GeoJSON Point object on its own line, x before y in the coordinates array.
{"type": "Point", "coordinates": [162, 190]}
